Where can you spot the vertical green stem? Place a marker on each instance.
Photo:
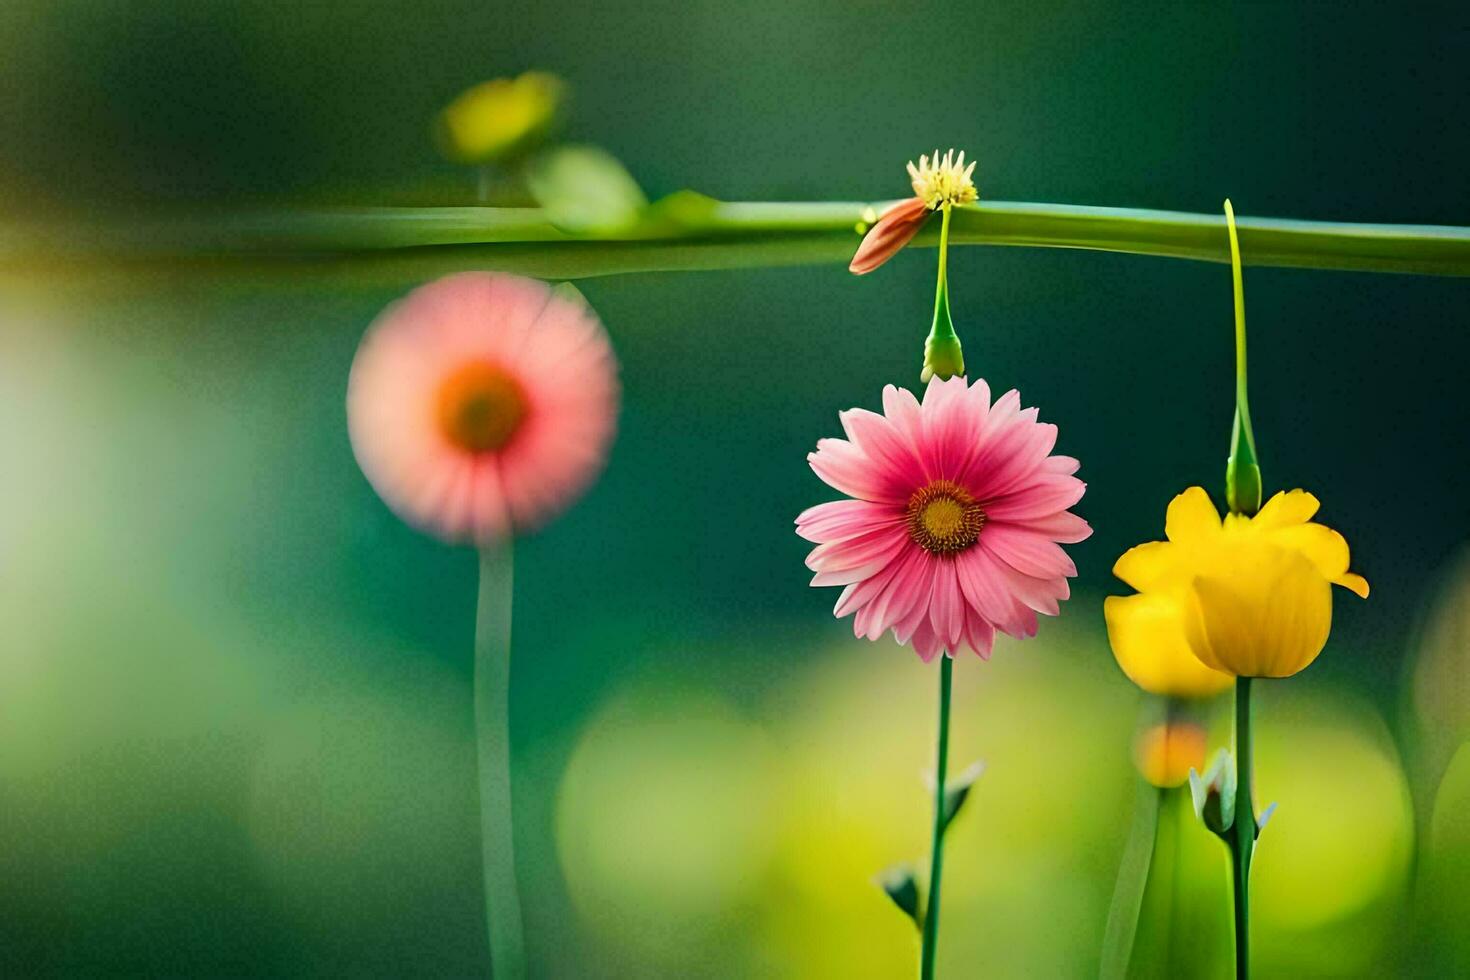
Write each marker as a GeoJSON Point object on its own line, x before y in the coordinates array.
{"type": "Point", "coordinates": [936, 854]}
{"type": "Point", "coordinates": [492, 746]}
{"type": "Point", "coordinates": [1242, 400]}
{"type": "Point", "coordinates": [1243, 842]}
{"type": "Point", "coordinates": [1243, 471]}
{"type": "Point", "coordinates": [943, 322]}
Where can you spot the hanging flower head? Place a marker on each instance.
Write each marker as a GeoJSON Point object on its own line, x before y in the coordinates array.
{"type": "Point", "coordinates": [1242, 597]}
{"type": "Point", "coordinates": [483, 404]}
{"type": "Point", "coordinates": [941, 183]}
{"type": "Point", "coordinates": [953, 529]}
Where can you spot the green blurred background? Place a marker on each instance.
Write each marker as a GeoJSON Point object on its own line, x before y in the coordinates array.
{"type": "Point", "coordinates": [235, 716]}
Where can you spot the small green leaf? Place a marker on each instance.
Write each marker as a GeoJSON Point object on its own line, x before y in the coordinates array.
{"type": "Point", "coordinates": [900, 884]}
{"type": "Point", "coordinates": [585, 190]}
{"type": "Point", "coordinates": [1264, 819]}
{"type": "Point", "coordinates": [957, 790]}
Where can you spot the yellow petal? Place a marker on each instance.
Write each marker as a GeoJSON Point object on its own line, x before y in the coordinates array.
{"type": "Point", "coordinates": [1353, 583]}
{"type": "Point", "coordinates": [1147, 636]}
{"type": "Point", "coordinates": [1321, 545]}
{"type": "Point", "coordinates": [1285, 509]}
{"type": "Point", "coordinates": [1147, 566]}
{"type": "Point", "coordinates": [1191, 517]}
{"type": "Point", "coordinates": [1326, 549]}
{"type": "Point", "coordinates": [1268, 615]}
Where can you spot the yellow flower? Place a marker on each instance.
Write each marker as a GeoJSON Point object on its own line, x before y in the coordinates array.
{"type": "Point", "coordinates": [1242, 597]}
{"type": "Point", "coordinates": [498, 118]}
{"type": "Point", "coordinates": [1165, 753]}
{"type": "Point", "coordinates": [943, 181]}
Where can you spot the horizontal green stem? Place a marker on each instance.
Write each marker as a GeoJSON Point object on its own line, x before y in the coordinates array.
{"type": "Point", "coordinates": [416, 243]}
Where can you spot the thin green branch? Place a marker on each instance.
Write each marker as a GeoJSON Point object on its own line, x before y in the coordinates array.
{"type": "Point", "coordinates": [492, 753]}
{"type": "Point", "coordinates": [929, 945]}
{"type": "Point", "coordinates": [1243, 844]}
{"type": "Point", "coordinates": [688, 232]}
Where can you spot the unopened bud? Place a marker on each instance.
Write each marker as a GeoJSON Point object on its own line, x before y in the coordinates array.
{"type": "Point", "coordinates": [894, 229]}
{"type": "Point", "coordinates": [943, 358]}
{"type": "Point", "coordinates": [1214, 794]}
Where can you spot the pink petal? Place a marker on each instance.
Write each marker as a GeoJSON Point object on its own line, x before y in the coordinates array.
{"type": "Point", "coordinates": [954, 416]}
{"type": "Point", "coordinates": [843, 466]}
{"type": "Point", "coordinates": [860, 593]}
{"type": "Point", "coordinates": [881, 543]}
{"type": "Point", "coordinates": [1065, 527]}
{"type": "Point", "coordinates": [864, 558]}
{"type": "Point", "coordinates": [1017, 458]}
{"type": "Point", "coordinates": [839, 520]}
{"type": "Point", "coordinates": [980, 455]}
{"type": "Point", "coordinates": [919, 582]}
{"type": "Point", "coordinates": [879, 439]}
{"type": "Point", "coordinates": [926, 642]}
{"type": "Point", "coordinates": [947, 607]}
{"type": "Point", "coordinates": [979, 635]}
{"type": "Point", "coordinates": [1050, 494]}
{"type": "Point", "coordinates": [1027, 551]}
{"type": "Point", "coordinates": [903, 413]}
{"type": "Point", "coordinates": [905, 589]}
{"type": "Point", "coordinates": [985, 581]}
{"type": "Point", "coordinates": [1040, 594]}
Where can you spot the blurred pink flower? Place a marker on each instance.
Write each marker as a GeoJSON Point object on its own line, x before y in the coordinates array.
{"type": "Point", "coordinates": [955, 525]}
{"type": "Point", "coordinates": [482, 404]}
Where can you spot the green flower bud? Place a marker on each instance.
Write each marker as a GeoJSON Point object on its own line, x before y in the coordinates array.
{"type": "Point", "coordinates": [1214, 794]}
{"type": "Point", "coordinates": [942, 357]}
{"type": "Point", "coordinates": [1242, 485]}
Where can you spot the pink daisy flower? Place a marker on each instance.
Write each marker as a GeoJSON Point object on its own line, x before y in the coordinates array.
{"type": "Point", "coordinates": [482, 405]}
{"type": "Point", "coordinates": [956, 521]}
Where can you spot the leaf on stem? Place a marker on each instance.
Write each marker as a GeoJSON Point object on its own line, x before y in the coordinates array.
{"type": "Point", "coordinates": [1263, 819]}
{"type": "Point", "coordinates": [900, 884]}
{"type": "Point", "coordinates": [957, 791]}
{"type": "Point", "coordinates": [585, 190]}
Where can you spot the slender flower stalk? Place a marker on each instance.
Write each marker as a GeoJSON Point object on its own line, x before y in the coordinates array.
{"type": "Point", "coordinates": [930, 944]}
{"type": "Point", "coordinates": [1242, 471]}
{"type": "Point", "coordinates": [492, 751]}
{"type": "Point", "coordinates": [1243, 842]}
{"type": "Point", "coordinates": [1243, 494]}
{"type": "Point", "coordinates": [943, 356]}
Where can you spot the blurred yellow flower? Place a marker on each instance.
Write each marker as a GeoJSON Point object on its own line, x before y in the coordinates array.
{"type": "Point", "coordinates": [1242, 597]}
{"type": "Point", "coordinates": [1165, 753]}
{"type": "Point", "coordinates": [497, 118]}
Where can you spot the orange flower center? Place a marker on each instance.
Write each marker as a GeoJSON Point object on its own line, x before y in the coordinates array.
{"type": "Point", "coordinates": [481, 406]}
{"type": "Point", "coordinates": [943, 518]}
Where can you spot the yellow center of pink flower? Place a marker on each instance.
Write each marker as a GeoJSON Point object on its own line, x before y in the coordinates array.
{"type": "Point", "coordinates": [480, 407]}
{"type": "Point", "coordinates": [943, 518]}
